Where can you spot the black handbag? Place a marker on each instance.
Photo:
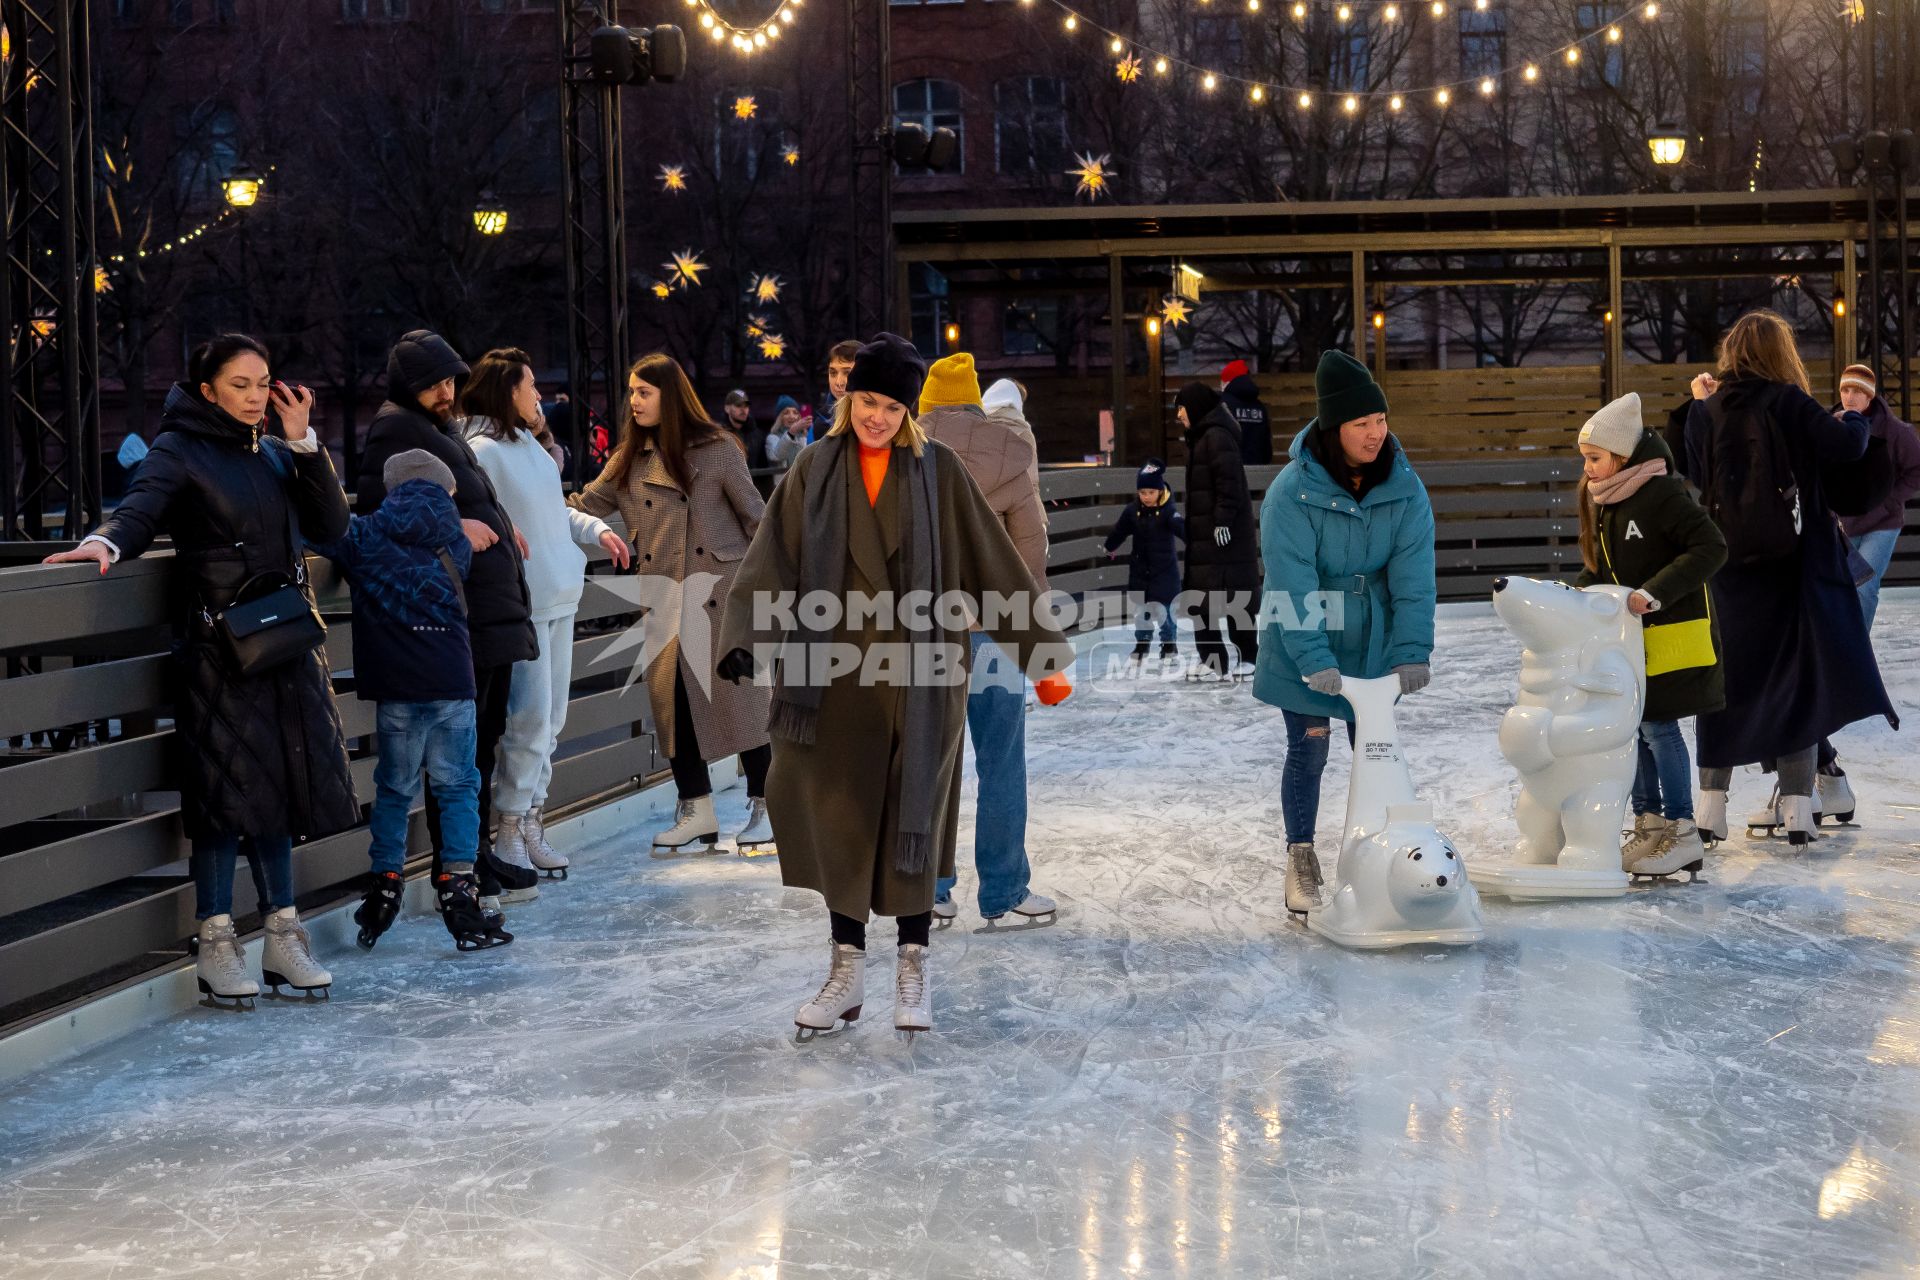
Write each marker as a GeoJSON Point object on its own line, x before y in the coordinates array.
{"type": "Point", "coordinates": [271, 620]}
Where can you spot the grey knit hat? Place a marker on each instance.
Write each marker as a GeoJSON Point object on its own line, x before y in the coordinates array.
{"type": "Point", "coordinates": [1618, 426]}
{"type": "Point", "coordinates": [416, 464]}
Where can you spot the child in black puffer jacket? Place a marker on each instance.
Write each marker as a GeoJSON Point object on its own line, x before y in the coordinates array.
{"type": "Point", "coordinates": [1153, 569]}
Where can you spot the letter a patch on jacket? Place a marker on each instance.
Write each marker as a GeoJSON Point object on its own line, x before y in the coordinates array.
{"type": "Point", "coordinates": [1633, 531]}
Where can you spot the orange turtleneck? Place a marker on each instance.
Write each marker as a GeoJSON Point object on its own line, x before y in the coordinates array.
{"type": "Point", "coordinates": [873, 470]}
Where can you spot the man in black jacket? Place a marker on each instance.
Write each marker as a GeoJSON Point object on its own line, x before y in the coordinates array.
{"type": "Point", "coordinates": [1223, 543]}
{"type": "Point", "coordinates": [1241, 395]}
{"type": "Point", "coordinates": [419, 414]}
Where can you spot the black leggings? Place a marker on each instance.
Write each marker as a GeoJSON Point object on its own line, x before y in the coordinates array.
{"type": "Point", "coordinates": [690, 778]}
{"type": "Point", "coordinates": [848, 932]}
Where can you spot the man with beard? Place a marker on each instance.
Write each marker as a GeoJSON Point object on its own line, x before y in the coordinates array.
{"type": "Point", "coordinates": [419, 414]}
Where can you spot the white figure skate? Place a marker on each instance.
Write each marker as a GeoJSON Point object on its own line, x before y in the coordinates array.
{"type": "Point", "coordinates": [220, 966]}
{"type": "Point", "coordinates": [912, 993]}
{"type": "Point", "coordinates": [755, 839]}
{"type": "Point", "coordinates": [838, 1005]}
{"type": "Point", "coordinates": [1035, 911]}
{"type": "Point", "coordinates": [1570, 734]}
{"type": "Point", "coordinates": [287, 960]}
{"type": "Point", "coordinates": [1398, 881]}
{"type": "Point", "coordinates": [944, 913]}
{"type": "Point", "coordinates": [1833, 797]}
{"type": "Point", "coordinates": [546, 859]}
{"type": "Point", "coordinates": [694, 830]}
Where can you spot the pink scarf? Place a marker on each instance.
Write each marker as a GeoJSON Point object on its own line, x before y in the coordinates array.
{"type": "Point", "coordinates": [1626, 482]}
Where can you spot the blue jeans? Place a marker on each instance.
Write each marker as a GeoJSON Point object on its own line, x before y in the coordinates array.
{"type": "Point", "coordinates": [1307, 740]}
{"type": "Point", "coordinates": [270, 858]}
{"type": "Point", "coordinates": [1876, 549]}
{"type": "Point", "coordinates": [1663, 781]}
{"type": "Point", "coordinates": [1143, 624]}
{"type": "Point", "coordinates": [441, 737]}
{"type": "Point", "coordinates": [997, 719]}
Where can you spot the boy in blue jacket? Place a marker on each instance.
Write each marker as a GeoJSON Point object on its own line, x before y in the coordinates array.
{"type": "Point", "coordinates": [406, 562]}
{"type": "Point", "coordinates": [1153, 567]}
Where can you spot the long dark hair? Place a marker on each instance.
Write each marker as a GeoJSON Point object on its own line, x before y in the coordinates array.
{"type": "Point", "coordinates": [683, 424]}
{"type": "Point", "coordinates": [213, 355]}
{"type": "Point", "coordinates": [489, 391]}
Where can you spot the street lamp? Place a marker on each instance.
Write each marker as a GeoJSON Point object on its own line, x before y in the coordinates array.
{"type": "Point", "coordinates": [242, 186]}
{"type": "Point", "coordinates": [489, 215]}
{"type": "Point", "coordinates": [1668, 145]}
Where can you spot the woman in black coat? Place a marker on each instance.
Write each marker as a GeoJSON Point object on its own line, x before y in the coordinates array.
{"type": "Point", "coordinates": [1223, 549]}
{"type": "Point", "coordinates": [1798, 662]}
{"type": "Point", "coordinates": [262, 758]}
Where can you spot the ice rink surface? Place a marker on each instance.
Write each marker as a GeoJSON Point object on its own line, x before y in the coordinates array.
{"type": "Point", "coordinates": [1716, 1080]}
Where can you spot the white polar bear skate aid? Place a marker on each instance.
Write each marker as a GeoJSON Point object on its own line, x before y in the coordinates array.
{"type": "Point", "coordinates": [1399, 882]}
{"type": "Point", "coordinates": [1571, 734]}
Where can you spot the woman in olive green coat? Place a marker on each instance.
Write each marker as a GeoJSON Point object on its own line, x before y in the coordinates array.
{"type": "Point", "coordinates": [865, 783]}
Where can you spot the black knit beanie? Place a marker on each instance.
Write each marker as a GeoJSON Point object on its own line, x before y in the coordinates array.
{"type": "Point", "coordinates": [1152, 475]}
{"type": "Point", "coordinates": [1346, 390]}
{"type": "Point", "coordinates": [1198, 399]}
{"type": "Point", "coordinates": [889, 366]}
{"type": "Point", "coordinates": [419, 360]}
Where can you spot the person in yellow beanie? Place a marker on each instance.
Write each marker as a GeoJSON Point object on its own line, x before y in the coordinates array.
{"type": "Point", "coordinates": [1001, 462]}
{"type": "Point", "coordinates": [951, 382]}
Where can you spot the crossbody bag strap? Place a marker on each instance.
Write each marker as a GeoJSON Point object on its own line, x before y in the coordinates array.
{"type": "Point", "coordinates": [284, 469]}
{"type": "Point", "coordinates": [453, 571]}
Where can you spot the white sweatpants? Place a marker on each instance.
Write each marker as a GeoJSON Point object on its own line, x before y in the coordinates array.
{"type": "Point", "coordinates": [536, 712]}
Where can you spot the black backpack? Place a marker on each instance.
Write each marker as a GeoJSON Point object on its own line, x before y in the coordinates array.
{"type": "Point", "coordinates": [1749, 488]}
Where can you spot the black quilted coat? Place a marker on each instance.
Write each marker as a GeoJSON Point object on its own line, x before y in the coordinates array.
{"type": "Point", "coordinates": [260, 755]}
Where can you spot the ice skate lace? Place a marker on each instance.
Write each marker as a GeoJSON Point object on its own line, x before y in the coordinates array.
{"type": "Point", "coordinates": [684, 813]}
{"type": "Point", "coordinates": [839, 980]}
{"type": "Point", "coordinates": [223, 953]}
{"type": "Point", "coordinates": [294, 937]}
{"type": "Point", "coordinates": [911, 984]}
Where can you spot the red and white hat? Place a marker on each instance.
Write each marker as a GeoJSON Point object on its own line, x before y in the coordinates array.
{"type": "Point", "coordinates": [1860, 377]}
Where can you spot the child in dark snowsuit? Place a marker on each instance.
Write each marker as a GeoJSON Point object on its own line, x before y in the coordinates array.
{"type": "Point", "coordinates": [1641, 528]}
{"type": "Point", "coordinates": [1153, 569]}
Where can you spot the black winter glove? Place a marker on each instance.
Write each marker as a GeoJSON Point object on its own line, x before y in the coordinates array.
{"type": "Point", "coordinates": [736, 667]}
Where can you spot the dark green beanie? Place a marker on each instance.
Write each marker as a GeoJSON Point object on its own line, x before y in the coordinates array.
{"type": "Point", "coordinates": [1346, 391]}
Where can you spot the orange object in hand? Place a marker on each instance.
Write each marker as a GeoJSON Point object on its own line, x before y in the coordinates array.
{"type": "Point", "coordinates": [1054, 689]}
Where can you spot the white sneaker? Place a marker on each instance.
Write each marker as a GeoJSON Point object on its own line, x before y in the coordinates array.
{"type": "Point", "coordinates": [1679, 849]}
{"type": "Point", "coordinates": [757, 835]}
{"type": "Point", "coordinates": [912, 991]}
{"type": "Point", "coordinates": [287, 960]}
{"type": "Point", "coordinates": [694, 830]}
{"type": "Point", "coordinates": [1713, 816]}
{"type": "Point", "coordinates": [221, 965]}
{"type": "Point", "coordinates": [546, 859]}
{"type": "Point", "coordinates": [1649, 830]}
{"type": "Point", "coordinates": [840, 1000]}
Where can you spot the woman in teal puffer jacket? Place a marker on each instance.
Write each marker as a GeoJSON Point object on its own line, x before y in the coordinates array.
{"type": "Point", "coordinates": [1347, 523]}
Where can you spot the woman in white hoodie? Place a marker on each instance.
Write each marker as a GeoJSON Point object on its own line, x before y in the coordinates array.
{"type": "Point", "coordinates": [502, 406]}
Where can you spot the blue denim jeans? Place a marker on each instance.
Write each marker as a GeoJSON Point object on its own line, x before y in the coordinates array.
{"type": "Point", "coordinates": [270, 858]}
{"type": "Point", "coordinates": [1663, 781]}
{"type": "Point", "coordinates": [997, 721]}
{"type": "Point", "coordinates": [1876, 549]}
{"type": "Point", "coordinates": [439, 737]}
{"type": "Point", "coordinates": [1145, 620]}
{"type": "Point", "coordinates": [1307, 740]}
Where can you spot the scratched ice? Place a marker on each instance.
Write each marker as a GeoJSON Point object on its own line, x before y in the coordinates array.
{"type": "Point", "coordinates": [1719, 1080]}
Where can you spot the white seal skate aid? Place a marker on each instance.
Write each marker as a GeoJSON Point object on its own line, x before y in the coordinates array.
{"type": "Point", "coordinates": [1583, 684]}
{"type": "Point", "coordinates": [1399, 882]}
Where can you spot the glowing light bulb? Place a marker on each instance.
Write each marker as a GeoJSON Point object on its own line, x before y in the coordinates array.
{"type": "Point", "coordinates": [1209, 81]}
{"type": "Point", "coordinates": [1532, 73]}
{"type": "Point", "coordinates": [1118, 44]}
{"type": "Point", "coordinates": [1438, 8]}
{"type": "Point", "coordinates": [1443, 97]}
{"type": "Point", "coordinates": [1344, 12]}
{"type": "Point", "coordinates": [1351, 104]}
{"type": "Point", "coordinates": [1573, 55]}
{"type": "Point", "coordinates": [1391, 13]}
{"type": "Point", "coordinates": [706, 20]}
{"type": "Point", "coordinates": [1396, 102]}
{"type": "Point", "coordinates": [1613, 35]}
{"type": "Point", "coordinates": [1073, 22]}
{"type": "Point", "coordinates": [1486, 87]}
{"type": "Point", "coordinates": [1159, 66]}
{"type": "Point", "coordinates": [1253, 6]}
{"type": "Point", "coordinates": [1258, 94]}
{"type": "Point", "coordinates": [1652, 11]}
{"type": "Point", "coordinates": [1299, 11]}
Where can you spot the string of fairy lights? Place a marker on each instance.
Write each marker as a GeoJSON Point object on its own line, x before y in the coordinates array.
{"type": "Point", "coordinates": [750, 37]}
{"type": "Point", "coordinates": [1137, 60]}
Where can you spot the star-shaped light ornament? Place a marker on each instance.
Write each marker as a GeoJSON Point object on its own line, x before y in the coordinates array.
{"type": "Point", "coordinates": [745, 108]}
{"type": "Point", "coordinates": [673, 177]}
{"type": "Point", "coordinates": [1128, 69]}
{"type": "Point", "coordinates": [791, 154]}
{"type": "Point", "coordinates": [684, 271]}
{"type": "Point", "coordinates": [662, 290]}
{"type": "Point", "coordinates": [1093, 174]}
{"type": "Point", "coordinates": [772, 346]}
{"type": "Point", "coordinates": [1175, 312]}
{"type": "Point", "coordinates": [766, 289]}
{"type": "Point", "coordinates": [757, 326]}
